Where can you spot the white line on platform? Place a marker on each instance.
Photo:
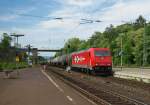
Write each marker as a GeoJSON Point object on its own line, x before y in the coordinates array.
{"type": "Point", "coordinates": [57, 86]}
{"type": "Point", "coordinates": [53, 82]}
{"type": "Point", "coordinates": [86, 98]}
{"type": "Point", "coordinates": [69, 98]}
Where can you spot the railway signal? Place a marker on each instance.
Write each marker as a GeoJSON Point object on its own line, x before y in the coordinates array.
{"type": "Point", "coordinates": [29, 50]}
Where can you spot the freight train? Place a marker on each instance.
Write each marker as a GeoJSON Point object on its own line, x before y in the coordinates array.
{"type": "Point", "coordinates": [92, 60]}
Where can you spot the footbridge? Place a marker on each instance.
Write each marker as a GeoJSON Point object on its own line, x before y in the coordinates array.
{"type": "Point", "coordinates": [35, 51]}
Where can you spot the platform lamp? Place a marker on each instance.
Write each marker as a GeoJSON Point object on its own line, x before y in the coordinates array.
{"type": "Point", "coordinates": [121, 52]}
{"type": "Point", "coordinates": [144, 47]}
{"type": "Point", "coordinates": [89, 21]}
{"type": "Point", "coordinates": [17, 36]}
{"type": "Point", "coordinates": [17, 58]}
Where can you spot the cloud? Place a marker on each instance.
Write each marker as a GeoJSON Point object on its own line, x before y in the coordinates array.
{"type": "Point", "coordinates": [80, 2]}
{"type": "Point", "coordinates": [8, 17]}
{"type": "Point", "coordinates": [56, 24]}
{"type": "Point", "coordinates": [69, 27]}
{"type": "Point", "coordinates": [128, 11]}
{"type": "Point", "coordinates": [53, 33]}
{"type": "Point", "coordinates": [39, 38]}
{"type": "Point", "coordinates": [15, 14]}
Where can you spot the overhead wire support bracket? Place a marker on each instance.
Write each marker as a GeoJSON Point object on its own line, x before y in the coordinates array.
{"type": "Point", "coordinates": [86, 21]}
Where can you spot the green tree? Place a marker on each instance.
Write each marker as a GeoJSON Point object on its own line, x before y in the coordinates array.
{"type": "Point", "coordinates": [5, 47]}
{"type": "Point", "coordinates": [147, 42]}
{"type": "Point", "coordinates": [83, 45]}
{"type": "Point", "coordinates": [72, 44]}
{"type": "Point", "coordinates": [5, 42]}
{"type": "Point", "coordinates": [132, 42]}
{"type": "Point", "coordinates": [140, 22]}
{"type": "Point", "coordinates": [110, 33]}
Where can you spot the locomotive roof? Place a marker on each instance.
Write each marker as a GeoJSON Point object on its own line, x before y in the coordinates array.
{"type": "Point", "coordinates": [93, 48]}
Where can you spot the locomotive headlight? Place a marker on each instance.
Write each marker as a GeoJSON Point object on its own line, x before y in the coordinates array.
{"type": "Point", "coordinates": [96, 64]}
{"type": "Point", "coordinates": [108, 64]}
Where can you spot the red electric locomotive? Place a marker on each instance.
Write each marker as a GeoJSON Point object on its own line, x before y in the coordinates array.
{"type": "Point", "coordinates": [94, 60]}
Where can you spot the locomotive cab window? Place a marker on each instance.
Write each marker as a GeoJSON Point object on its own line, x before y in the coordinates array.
{"type": "Point", "coordinates": [101, 53]}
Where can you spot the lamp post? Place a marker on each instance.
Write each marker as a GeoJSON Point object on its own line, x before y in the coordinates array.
{"type": "Point", "coordinates": [125, 33]}
{"type": "Point", "coordinates": [17, 36]}
{"type": "Point", "coordinates": [17, 57]}
{"type": "Point", "coordinates": [89, 21]}
{"type": "Point", "coordinates": [144, 45]}
{"type": "Point", "coordinates": [144, 48]}
{"type": "Point", "coordinates": [121, 52]}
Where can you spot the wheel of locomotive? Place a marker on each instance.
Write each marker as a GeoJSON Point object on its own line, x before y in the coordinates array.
{"type": "Point", "coordinates": [87, 71]}
{"type": "Point", "coordinates": [93, 72]}
{"type": "Point", "coordinates": [82, 70]}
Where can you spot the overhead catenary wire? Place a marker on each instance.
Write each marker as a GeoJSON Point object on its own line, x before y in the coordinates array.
{"type": "Point", "coordinates": [82, 20]}
{"type": "Point", "coordinates": [42, 17]}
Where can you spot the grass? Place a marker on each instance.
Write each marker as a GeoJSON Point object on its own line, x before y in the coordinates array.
{"type": "Point", "coordinates": [12, 66]}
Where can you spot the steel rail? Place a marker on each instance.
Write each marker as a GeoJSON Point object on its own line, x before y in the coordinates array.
{"type": "Point", "coordinates": [84, 92]}
{"type": "Point", "coordinates": [95, 98]}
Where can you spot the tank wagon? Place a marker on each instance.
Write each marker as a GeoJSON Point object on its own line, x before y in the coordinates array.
{"type": "Point", "coordinates": [92, 60]}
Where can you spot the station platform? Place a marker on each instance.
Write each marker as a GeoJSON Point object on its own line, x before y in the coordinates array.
{"type": "Point", "coordinates": [38, 87]}
{"type": "Point", "coordinates": [139, 74]}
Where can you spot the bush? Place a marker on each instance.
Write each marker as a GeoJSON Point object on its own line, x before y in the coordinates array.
{"type": "Point", "coordinates": [1, 68]}
{"type": "Point", "coordinates": [12, 66]}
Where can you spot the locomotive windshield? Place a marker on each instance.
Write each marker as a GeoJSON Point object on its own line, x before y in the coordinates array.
{"type": "Point", "coordinates": [101, 53]}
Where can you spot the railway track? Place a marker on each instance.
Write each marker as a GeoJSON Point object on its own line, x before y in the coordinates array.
{"type": "Point", "coordinates": [100, 96]}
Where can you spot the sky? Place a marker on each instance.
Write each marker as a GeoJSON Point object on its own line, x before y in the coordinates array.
{"type": "Point", "coordinates": [36, 19]}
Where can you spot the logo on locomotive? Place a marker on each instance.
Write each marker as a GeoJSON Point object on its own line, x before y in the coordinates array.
{"type": "Point", "coordinates": [78, 59]}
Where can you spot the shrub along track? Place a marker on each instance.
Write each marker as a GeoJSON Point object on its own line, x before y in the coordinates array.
{"type": "Point", "coordinates": [100, 92]}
